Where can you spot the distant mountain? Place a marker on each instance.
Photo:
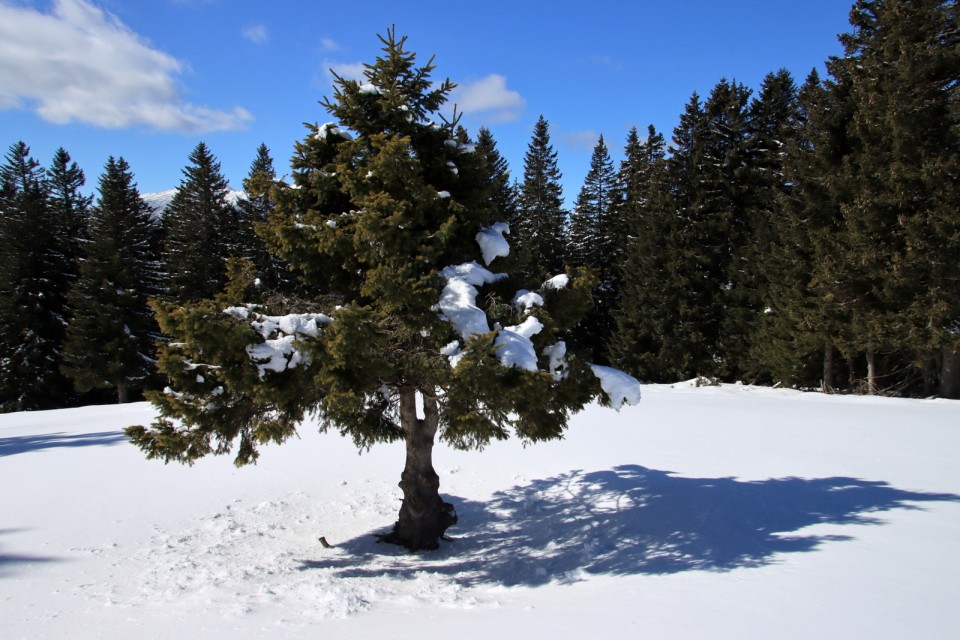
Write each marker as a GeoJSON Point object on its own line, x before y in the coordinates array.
{"type": "Point", "coordinates": [159, 200]}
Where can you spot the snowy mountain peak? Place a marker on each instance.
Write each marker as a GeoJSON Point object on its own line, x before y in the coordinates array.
{"type": "Point", "coordinates": [159, 200]}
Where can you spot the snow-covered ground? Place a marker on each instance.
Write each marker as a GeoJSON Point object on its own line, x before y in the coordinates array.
{"type": "Point", "coordinates": [731, 512]}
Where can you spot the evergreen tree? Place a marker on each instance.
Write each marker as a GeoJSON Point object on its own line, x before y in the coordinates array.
{"type": "Point", "coordinates": [804, 317]}
{"type": "Point", "coordinates": [200, 230]}
{"type": "Point", "coordinates": [498, 175]}
{"type": "Point", "coordinates": [647, 311]}
{"type": "Point", "coordinates": [252, 212]}
{"type": "Point", "coordinates": [592, 242]}
{"type": "Point", "coordinates": [379, 222]}
{"type": "Point", "coordinates": [898, 77]}
{"type": "Point", "coordinates": [540, 234]}
{"type": "Point", "coordinates": [110, 339]}
{"type": "Point", "coordinates": [69, 208]}
{"type": "Point", "coordinates": [771, 127]}
{"type": "Point", "coordinates": [591, 238]}
{"type": "Point", "coordinates": [33, 283]}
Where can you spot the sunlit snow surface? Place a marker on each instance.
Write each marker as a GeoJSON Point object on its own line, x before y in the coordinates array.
{"type": "Point", "coordinates": [722, 512]}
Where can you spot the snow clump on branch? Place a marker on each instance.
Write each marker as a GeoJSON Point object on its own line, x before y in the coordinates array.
{"type": "Point", "coordinates": [278, 351]}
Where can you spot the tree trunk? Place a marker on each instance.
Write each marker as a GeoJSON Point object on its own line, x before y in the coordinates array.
{"type": "Point", "coordinates": [931, 374]}
{"type": "Point", "coordinates": [123, 394]}
{"type": "Point", "coordinates": [424, 516]}
{"type": "Point", "coordinates": [871, 372]}
{"type": "Point", "coordinates": [950, 375]}
{"type": "Point", "coordinates": [827, 383]}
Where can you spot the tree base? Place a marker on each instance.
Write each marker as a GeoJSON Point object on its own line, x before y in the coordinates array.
{"type": "Point", "coordinates": [422, 533]}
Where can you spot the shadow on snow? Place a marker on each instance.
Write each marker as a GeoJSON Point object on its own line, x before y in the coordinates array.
{"type": "Point", "coordinates": [630, 520]}
{"type": "Point", "coordinates": [10, 562]}
{"type": "Point", "coordinates": [23, 444]}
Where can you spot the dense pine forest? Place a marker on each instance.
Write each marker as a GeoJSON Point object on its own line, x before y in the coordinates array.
{"type": "Point", "coordinates": [803, 233]}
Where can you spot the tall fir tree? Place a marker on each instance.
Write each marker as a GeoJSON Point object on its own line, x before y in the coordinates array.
{"type": "Point", "coordinates": [647, 310]}
{"type": "Point", "coordinates": [771, 126]}
{"type": "Point", "coordinates": [898, 76]}
{"type": "Point", "coordinates": [200, 230]}
{"type": "Point", "coordinates": [252, 212]}
{"type": "Point", "coordinates": [109, 342]}
{"type": "Point", "coordinates": [590, 238]}
{"type": "Point", "coordinates": [541, 228]}
{"type": "Point", "coordinates": [69, 208]}
{"type": "Point", "coordinates": [33, 285]}
{"type": "Point", "coordinates": [804, 296]}
{"type": "Point", "coordinates": [378, 220]}
{"type": "Point", "coordinates": [498, 175]}
{"type": "Point", "coordinates": [593, 242]}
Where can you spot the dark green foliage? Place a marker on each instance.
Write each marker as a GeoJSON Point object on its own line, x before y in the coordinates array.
{"type": "Point", "coordinates": [647, 308]}
{"type": "Point", "coordinates": [252, 212]}
{"type": "Point", "coordinates": [539, 237]}
{"type": "Point", "coordinates": [200, 230]}
{"type": "Point", "coordinates": [36, 267]}
{"type": "Point", "coordinates": [110, 339]}
{"type": "Point", "coordinates": [69, 208]}
{"type": "Point", "coordinates": [802, 321]}
{"type": "Point", "coordinates": [593, 242]}
{"type": "Point", "coordinates": [382, 201]}
{"type": "Point", "coordinates": [497, 174]}
{"type": "Point", "coordinates": [771, 129]}
{"type": "Point", "coordinates": [896, 247]}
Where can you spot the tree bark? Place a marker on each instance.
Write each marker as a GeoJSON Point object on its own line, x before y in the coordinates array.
{"type": "Point", "coordinates": [424, 516]}
{"type": "Point", "coordinates": [123, 394]}
{"type": "Point", "coordinates": [950, 375]}
{"type": "Point", "coordinates": [931, 374]}
{"type": "Point", "coordinates": [827, 368]}
{"type": "Point", "coordinates": [871, 372]}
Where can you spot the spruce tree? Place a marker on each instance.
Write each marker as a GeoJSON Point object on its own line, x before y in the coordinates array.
{"type": "Point", "coordinates": [540, 234]}
{"type": "Point", "coordinates": [590, 236]}
{"type": "Point", "coordinates": [771, 127]}
{"type": "Point", "coordinates": [382, 227]}
{"type": "Point", "coordinates": [647, 310]}
{"type": "Point", "coordinates": [592, 242]}
{"type": "Point", "coordinates": [33, 284]}
{"type": "Point", "coordinates": [898, 80]}
{"type": "Point", "coordinates": [110, 339]}
{"type": "Point", "coordinates": [804, 298]}
{"type": "Point", "coordinates": [69, 208]}
{"type": "Point", "coordinates": [252, 212]}
{"type": "Point", "coordinates": [498, 175]}
{"type": "Point", "coordinates": [200, 230]}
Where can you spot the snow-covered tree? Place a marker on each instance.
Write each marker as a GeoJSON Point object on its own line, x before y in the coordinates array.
{"type": "Point", "coordinates": [408, 338]}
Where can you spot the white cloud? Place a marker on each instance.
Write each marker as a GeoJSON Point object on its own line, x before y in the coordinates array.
{"type": "Point", "coordinates": [489, 95]}
{"type": "Point", "coordinates": [329, 44]}
{"type": "Point", "coordinates": [581, 139]}
{"type": "Point", "coordinates": [257, 34]}
{"type": "Point", "coordinates": [346, 70]}
{"type": "Point", "coordinates": [81, 64]}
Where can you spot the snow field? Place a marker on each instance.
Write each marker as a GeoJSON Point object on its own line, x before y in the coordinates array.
{"type": "Point", "coordinates": [722, 512]}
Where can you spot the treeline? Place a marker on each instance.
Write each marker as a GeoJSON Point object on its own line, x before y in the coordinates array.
{"type": "Point", "coordinates": [77, 276]}
{"type": "Point", "coordinates": [806, 236]}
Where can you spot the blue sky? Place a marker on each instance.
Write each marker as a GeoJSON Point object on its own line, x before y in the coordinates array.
{"type": "Point", "coordinates": [148, 79]}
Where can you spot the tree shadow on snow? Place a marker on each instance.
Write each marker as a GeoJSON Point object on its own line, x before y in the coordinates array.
{"type": "Point", "coordinates": [630, 520]}
{"type": "Point", "coordinates": [9, 562]}
{"type": "Point", "coordinates": [22, 444]}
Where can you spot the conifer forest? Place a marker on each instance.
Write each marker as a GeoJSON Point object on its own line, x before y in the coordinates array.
{"type": "Point", "coordinates": [802, 233]}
